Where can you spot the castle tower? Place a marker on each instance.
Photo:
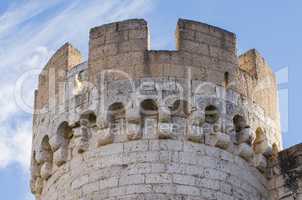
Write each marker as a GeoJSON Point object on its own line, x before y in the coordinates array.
{"type": "Point", "coordinates": [133, 123]}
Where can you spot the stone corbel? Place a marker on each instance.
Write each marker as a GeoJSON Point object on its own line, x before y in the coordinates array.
{"type": "Point", "coordinates": [42, 156]}
{"type": "Point", "coordinates": [244, 136]}
{"type": "Point", "coordinates": [104, 137]}
{"type": "Point", "coordinates": [134, 131]}
{"type": "Point", "coordinates": [164, 115]}
{"type": "Point", "coordinates": [207, 128]}
{"type": "Point", "coordinates": [60, 156]}
{"type": "Point", "coordinates": [164, 124]}
{"type": "Point", "coordinates": [260, 162]}
{"type": "Point", "coordinates": [223, 140]}
{"type": "Point", "coordinates": [57, 141]}
{"type": "Point", "coordinates": [268, 153]}
{"type": "Point", "coordinates": [262, 147]}
{"type": "Point", "coordinates": [165, 130]}
{"type": "Point", "coordinates": [245, 151]}
{"type": "Point", "coordinates": [220, 140]}
{"type": "Point", "coordinates": [197, 119]}
{"type": "Point", "coordinates": [195, 134]}
{"type": "Point", "coordinates": [46, 170]}
{"type": "Point", "coordinates": [35, 170]}
{"type": "Point", "coordinates": [215, 137]}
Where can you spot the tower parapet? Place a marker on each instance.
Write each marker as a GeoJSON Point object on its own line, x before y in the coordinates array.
{"type": "Point", "coordinates": [137, 123]}
{"type": "Point", "coordinates": [258, 83]}
{"type": "Point", "coordinates": [119, 46]}
{"type": "Point", "coordinates": [54, 73]}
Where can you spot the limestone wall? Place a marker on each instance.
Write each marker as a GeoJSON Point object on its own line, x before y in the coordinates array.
{"type": "Point", "coordinates": [153, 169]}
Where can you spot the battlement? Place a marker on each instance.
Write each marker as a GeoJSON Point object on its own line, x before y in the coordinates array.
{"type": "Point", "coordinates": [119, 45]}
{"type": "Point", "coordinates": [253, 63]}
{"type": "Point", "coordinates": [200, 38]}
{"type": "Point", "coordinates": [124, 45]}
{"type": "Point", "coordinates": [260, 82]}
{"type": "Point", "coordinates": [203, 52]}
{"type": "Point", "coordinates": [170, 124]}
{"type": "Point", "coordinates": [64, 59]}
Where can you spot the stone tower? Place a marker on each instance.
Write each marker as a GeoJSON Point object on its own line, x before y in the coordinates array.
{"type": "Point", "coordinates": [133, 123]}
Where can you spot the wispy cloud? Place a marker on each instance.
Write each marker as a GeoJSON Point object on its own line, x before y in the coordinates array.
{"type": "Point", "coordinates": [16, 14]}
{"type": "Point", "coordinates": [29, 33]}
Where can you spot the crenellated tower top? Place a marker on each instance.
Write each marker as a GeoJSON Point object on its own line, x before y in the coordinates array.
{"type": "Point", "coordinates": [134, 122]}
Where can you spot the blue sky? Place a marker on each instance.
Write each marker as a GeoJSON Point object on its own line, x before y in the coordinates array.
{"type": "Point", "coordinates": [30, 31]}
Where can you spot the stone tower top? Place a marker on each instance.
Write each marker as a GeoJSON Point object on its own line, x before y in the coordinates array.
{"type": "Point", "coordinates": [131, 122]}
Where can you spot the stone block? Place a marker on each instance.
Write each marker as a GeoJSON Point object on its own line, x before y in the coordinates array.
{"type": "Point", "coordinates": [91, 188]}
{"type": "Point", "coordinates": [140, 145]}
{"type": "Point", "coordinates": [79, 181]}
{"type": "Point", "coordinates": [158, 178]}
{"type": "Point", "coordinates": [131, 179]}
{"type": "Point", "coordinates": [166, 145]}
{"type": "Point", "coordinates": [187, 190]}
{"type": "Point", "coordinates": [183, 179]}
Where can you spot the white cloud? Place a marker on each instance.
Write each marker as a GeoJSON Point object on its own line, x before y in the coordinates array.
{"type": "Point", "coordinates": [28, 37]}
{"type": "Point", "coordinates": [15, 145]}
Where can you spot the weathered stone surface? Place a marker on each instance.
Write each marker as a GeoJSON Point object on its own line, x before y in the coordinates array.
{"type": "Point", "coordinates": [46, 170]}
{"type": "Point", "coordinates": [60, 156]}
{"type": "Point", "coordinates": [165, 131]}
{"type": "Point", "coordinates": [245, 151]}
{"type": "Point", "coordinates": [134, 131]}
{"type": "Point", "coordinates": [218, 139]}
{"type": "Point", "coordinates": [105, 137]}
{"type": "Point", "coordinates": [195, 134]}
